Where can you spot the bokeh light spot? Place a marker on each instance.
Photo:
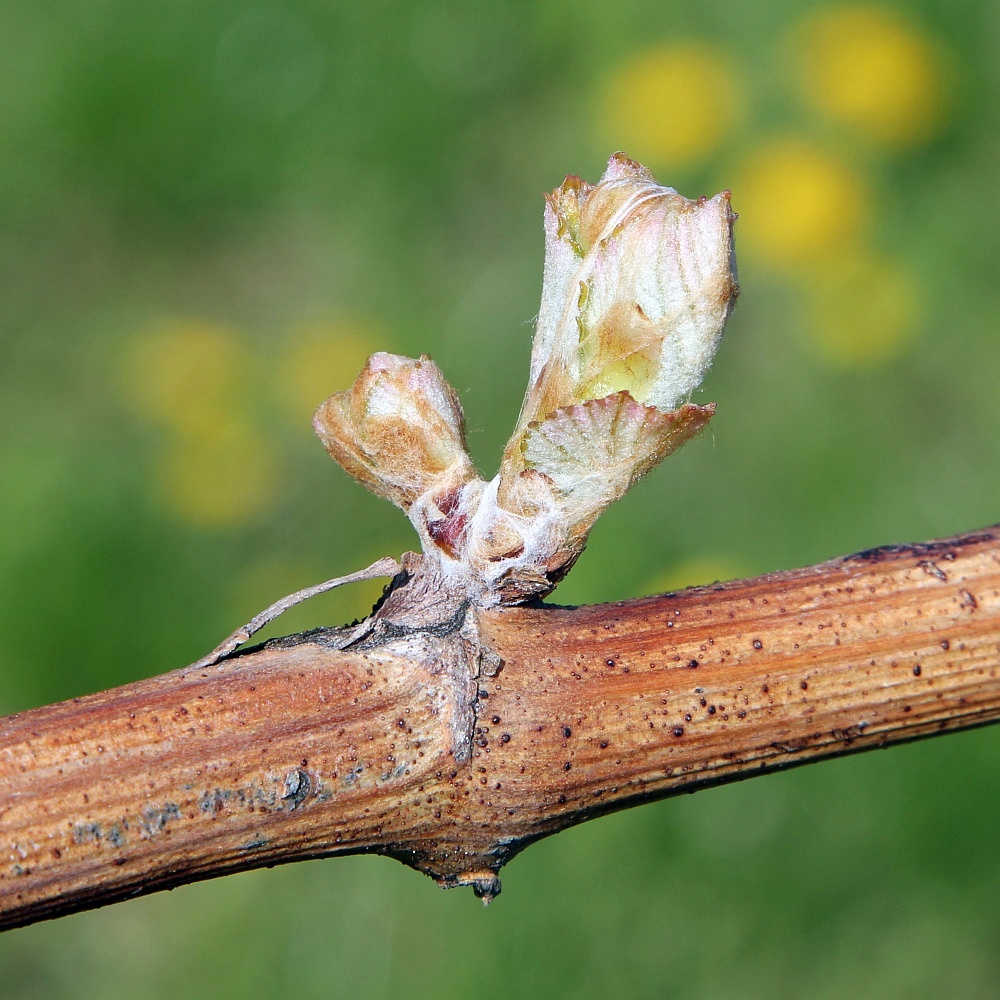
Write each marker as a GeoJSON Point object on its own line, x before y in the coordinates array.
{"type": "Point", "coordinates": [321, 360]}
{"type": "Point", "coordinates": [186, 375]}
{"type": "Point", "coordinates": [670, 106]}
{"type": "Point", "coordinates": [866, 67]}
{"type": "Point", "coordinates": [269, 62]}
{"type": "Point", "coordinates": [225, 476]}
{"type": "Point", "coordinates": [463, 47]}
{"type": "Point", "coordinates": [197, 381]}
{"type": "Point", "coordinates": [797, 204]}
{"type": "Point", "coordinates": [862, 309]}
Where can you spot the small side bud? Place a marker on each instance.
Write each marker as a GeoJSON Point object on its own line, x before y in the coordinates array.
{"type": "Point", "coordinates": [399, 430]}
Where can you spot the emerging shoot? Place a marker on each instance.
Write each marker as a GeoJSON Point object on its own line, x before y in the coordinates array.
{"type": "Point", "coordinates": [639, 282]}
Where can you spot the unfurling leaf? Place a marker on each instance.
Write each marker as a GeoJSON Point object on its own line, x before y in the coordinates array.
{"type": "Point", "coordinates": [639, 282]}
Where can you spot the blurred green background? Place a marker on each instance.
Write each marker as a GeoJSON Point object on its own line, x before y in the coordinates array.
{"type": "Point", "coordinates": [213, 211]}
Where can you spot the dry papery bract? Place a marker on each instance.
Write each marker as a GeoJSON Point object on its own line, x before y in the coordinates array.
{"type": "Point", "coordinates": [638, 284]}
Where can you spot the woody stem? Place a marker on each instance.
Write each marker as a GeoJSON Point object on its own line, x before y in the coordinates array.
{"type": "Point", "coordinates": [300, 750]}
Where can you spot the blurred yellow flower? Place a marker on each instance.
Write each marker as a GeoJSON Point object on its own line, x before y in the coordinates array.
{"type": "Point", "coordinates": [694, 572]}
{"type": "Point", "coordinates": [670, 106]}
{"type": "Point", "coordinates": [187, 375]}
{"type": "Point", "coordinates": [865, 66]}
{"type": "Point", "coordinates": [797, 204]}
{"type": "Point", "coordinates": [322, 359]}
{"type": "Point", "coordinates": [862, 309]}
{"type": "Point", "coordinates": [225, 475]}
{"type": "Point", "coordinates": [197, 380]}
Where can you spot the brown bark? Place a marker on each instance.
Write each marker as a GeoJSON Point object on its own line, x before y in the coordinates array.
{"type": "Point", "coordinates": [298, 750]}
